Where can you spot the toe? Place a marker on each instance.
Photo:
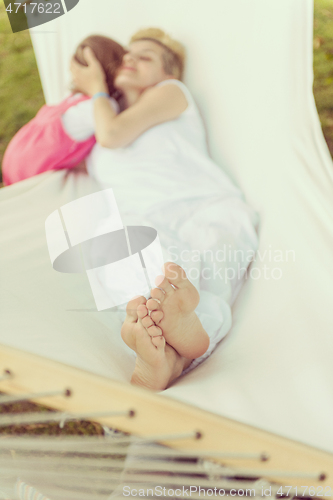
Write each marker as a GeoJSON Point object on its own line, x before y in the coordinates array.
{"type": "Point", "coordinates": [165, 285]}
{"type": "Point", "coordinates": [175, 275]}
{"type": "Point", "coordinates": [132, 306]}
{"type": "Point", "coordinates": [157, 294]}
{"type": "Point", "coordinates": [154, 331]}
{"type": "Point", "coordinates": [157, 316]}
{"type": "Point", "coordinates": [142, 311]}
{"type": "Point", "coordinates": [153, 305]}
{"type": "Point", "coordinates": [159, 342]}
{"type": "Point", "coordinates": [147, 321]}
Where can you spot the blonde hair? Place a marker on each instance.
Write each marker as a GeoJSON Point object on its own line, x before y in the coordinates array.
{"type": "Point", "coordinates": [174, 53]}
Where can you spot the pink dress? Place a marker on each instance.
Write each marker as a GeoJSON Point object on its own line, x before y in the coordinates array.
{"type": "Point", "coordinates": [42, 144]}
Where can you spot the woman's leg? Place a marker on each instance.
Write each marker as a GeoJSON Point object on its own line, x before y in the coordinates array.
{"type": "Point", "coordinates": [223, 233]}
{"type": "Point", "coordinates": [215, 247]}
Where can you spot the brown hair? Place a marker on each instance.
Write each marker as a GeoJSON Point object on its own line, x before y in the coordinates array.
{"type": "Point", "coordinates": [174, 52]}
{"type": "Point", "coordinates": [109, 53]}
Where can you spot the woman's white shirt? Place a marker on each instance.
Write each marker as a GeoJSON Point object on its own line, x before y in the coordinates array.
{"type": "Point", "coordinates": [167, 163]}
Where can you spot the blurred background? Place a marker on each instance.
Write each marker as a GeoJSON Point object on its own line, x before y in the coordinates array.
{"type": "Point", "coordinates": [21, 93]}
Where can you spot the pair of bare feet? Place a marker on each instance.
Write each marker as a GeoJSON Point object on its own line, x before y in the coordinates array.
{"type": "Point", "coordinates": [164, 330]}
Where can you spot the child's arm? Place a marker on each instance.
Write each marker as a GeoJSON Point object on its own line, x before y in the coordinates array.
{"type": "Point", "coordinates": [79, 122]}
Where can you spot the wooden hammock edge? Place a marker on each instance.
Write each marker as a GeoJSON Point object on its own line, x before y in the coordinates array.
{"type": "Point", "coordinates": [156, 414]}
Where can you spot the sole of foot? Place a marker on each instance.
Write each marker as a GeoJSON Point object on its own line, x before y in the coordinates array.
{"type": "Point", "coordinates": [172, 307]}
{"type": "Point", "coordinates": [157, 363]}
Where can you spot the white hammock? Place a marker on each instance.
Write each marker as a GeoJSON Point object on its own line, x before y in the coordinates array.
{"type": "Point", "coordinates": [250, 70]}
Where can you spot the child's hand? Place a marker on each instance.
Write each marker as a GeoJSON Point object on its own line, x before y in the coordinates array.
{"type": "Point", "coordinates": [88, 79]}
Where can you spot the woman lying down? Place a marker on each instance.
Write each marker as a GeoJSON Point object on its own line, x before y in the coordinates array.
{"type": "Point", "coordinates": [153, 155]}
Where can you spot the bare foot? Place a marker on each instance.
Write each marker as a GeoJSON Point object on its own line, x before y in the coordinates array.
{"type": "Point", "coordinates": [172, 308]}
{"type": "Point", "coordinates": [157, 363]}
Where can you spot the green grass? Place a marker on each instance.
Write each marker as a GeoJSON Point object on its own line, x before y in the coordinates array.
{"type": "Point", "coordinates": [323, 66]}
{"type": "Point", "coordinates": [21, 93]}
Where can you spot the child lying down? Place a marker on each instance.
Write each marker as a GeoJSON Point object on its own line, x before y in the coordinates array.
{"type": "Point", "coordinates": [153, 155]}
{"type": "Point", "coordinates": [44, 143]}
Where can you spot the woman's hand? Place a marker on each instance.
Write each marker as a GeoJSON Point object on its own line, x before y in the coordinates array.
{"type": "Point", "coordinates": [88, 79]}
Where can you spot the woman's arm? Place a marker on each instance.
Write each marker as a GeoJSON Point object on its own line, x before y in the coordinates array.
{"type": "Point", "coordinates": [156, 105]}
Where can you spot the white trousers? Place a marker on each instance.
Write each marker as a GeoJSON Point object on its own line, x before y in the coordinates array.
{"type": "Point", "coordinates": [214, 241]}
